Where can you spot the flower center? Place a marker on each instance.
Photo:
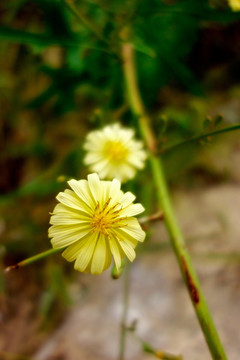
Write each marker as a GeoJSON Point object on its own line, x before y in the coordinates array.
{"type": "Point", "coordinates": [115, 151]}
{"type": "Point", "coordinates": [106, 218]}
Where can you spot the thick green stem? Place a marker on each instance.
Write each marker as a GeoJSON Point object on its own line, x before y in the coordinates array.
{"type": "Point", "coordinates": [177, 240]}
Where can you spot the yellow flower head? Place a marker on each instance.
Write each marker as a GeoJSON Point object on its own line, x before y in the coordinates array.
{"type": "Point", "coordinates": [114, 153]}
{"type": "Point", "coordinates": [234, 4]}
{"type": "Point", "coordinates": [95, 221]}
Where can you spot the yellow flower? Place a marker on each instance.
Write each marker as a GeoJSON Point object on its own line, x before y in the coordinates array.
{"type": "Point", "coordinates": [95, 221]}
{"type": "Point", "coordinates": [114, 153]}
{"type": "Point", "coordinates": [234, 4]}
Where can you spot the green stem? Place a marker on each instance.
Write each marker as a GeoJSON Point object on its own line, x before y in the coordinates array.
{"type": "Point", "coordinates": [89, 25]}
{"type": "Point", "coordinates": [87, 22]}
{"type": "Point", "coordinates": [159, 354]}
{"type": "Point", "coordinates": [176, 237]}
{"type": "Point", "coordinates": [33, 259]}
{"type": "Point", "coordinates": [125, 310]}
{"type": "Point", "coordinates": [200, 137]}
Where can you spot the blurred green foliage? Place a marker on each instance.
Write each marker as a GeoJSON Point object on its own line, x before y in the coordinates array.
{"type": "Point", "coordinates": [62, 62]}
{"type": "Point", "coordinates": [62, 76]}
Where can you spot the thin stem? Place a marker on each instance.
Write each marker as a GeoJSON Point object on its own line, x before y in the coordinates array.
{"type": "Point", "coordinates": [33, 259]}
{"type": "Point", "coordinates": [176, 237]}
{"type": "Point", "coordinates": [200, 137]}
{"type": "Point", "coordinates": [87, 22]}
{"type": "Point", "coordinates": [159, 354]}
{"type": "Point", "coordinates": [89, 25]}
{"type": "Point", "coordinates": [123, 332]}
{"type": "Point", "coordinates": [153, 217]}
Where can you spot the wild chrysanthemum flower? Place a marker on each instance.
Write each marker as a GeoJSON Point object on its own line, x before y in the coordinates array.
{"type": "Point", "coordinates": [114, 153]}
{"type": "Point", "coordinates": [95, 221]}
{"type": "Point", "coordinates": [234, 4]}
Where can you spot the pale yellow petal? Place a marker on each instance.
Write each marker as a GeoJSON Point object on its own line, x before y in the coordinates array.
{"type": "Point", "coordinates": [128, 249]}
{"type": "Point", "coordinates": [81, 188]}
{"type": "Point", "coordinates": [93, 140]}
{"type": "Point", "coordinates": [99, 256]}
{"type": "Point", "coordinates": [131, 233]}
{"type": "Point", "coordinates": [68, 219]}
{"type": "Point", "coordinates": [95, 187]}
{"type": "Point", "coordinates": [63, 236]}
{"type": "Point", "coordinates": [100, 165]}
{"type": "Point", "coordinates": [80, 225]}
{"type": "Point", "coordinates": [65, 210]}
{"type": "Point", "coordinates": [132, 210]}
{"type": "Point", "coordinates": [92, 157]}
{"type": "Point", "coordinates": [114, 191]}
{"type": "Point", "coordinates": [126, 171]}
{"type": "Point", "coordinates": [127, 199]}
{"type": "Point", "coordinates": [86, 253]}
{"type": "Point", "coordinates": [105, 172]}
{"type": "Point", "coordinates": [137, 160]}
{"type": "Point", "coordinates": [132, 230]}
{"type": "Point", "coordinates": [73, 251]}
{"type": "Point", "coordinates": [108, 259]}
{"type": "Point", "coordinates": [106, 185]}
{"type": "Point", "coordinates": [132, 242]}
{"type": "Point", "coordinates": [70, 199]}
{"type": "Point", "coordinates": [125, 155]}
{"type": "Point", "coordinates": [115, 252]}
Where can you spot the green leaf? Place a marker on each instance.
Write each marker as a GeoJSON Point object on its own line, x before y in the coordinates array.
{"type": "Point", "coordinates": [142, 47]}
{"type": "Point", "coordinates": [24, 37]}
{"type": "Point", "coordinates": [42, 40]}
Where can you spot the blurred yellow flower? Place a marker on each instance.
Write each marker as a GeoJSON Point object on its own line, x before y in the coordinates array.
{"type": "Point", "coordinates": [114, 153]}
{"type": "Point", "coordinates": [95, 221]}
{"type": "Point", "coordinates": [234, 4]}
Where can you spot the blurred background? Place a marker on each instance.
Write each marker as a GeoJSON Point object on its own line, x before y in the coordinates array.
{"type": "Point", "coordinates": [61, 76]}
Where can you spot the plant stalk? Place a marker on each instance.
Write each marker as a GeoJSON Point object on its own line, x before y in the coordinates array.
{"type": "Point", "coordinates": [123, 331]}
{"type": "Point", "coordinates": [33, 259]}
{"type": "Point", "coordinates": [176, 237]}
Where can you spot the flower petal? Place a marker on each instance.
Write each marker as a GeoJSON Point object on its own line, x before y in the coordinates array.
{"type": "Point", "coordinates": [126, 171]}
{"type": "Point", "coordinates": [68, 219]}
{"type": "Point", "coordinates": [66, 235]}
{"type": "Point", "coordinates": [92, 157]}
{"type": "Point", "coordinates": [86, 253]}
{"type": "Point", "coordinates": [70, 199]}
{"type": "Point", "coordinates": [127, 199]}
{"type": "Point", "coordinates": [108, 259]}
{"type": "Point", "coordinates": [132, 210]}
{"type": "Point", "coordinates": [137, 160]}
{"type": "Point", "coordinates": [114, 247]}
{"type": "Point", "coordinates": [95, 187]}
{"type": "Point", "coordinates": [130, 233]}
{"type": "Point", "coordinates": [99, 256]}
{"type": "Point", "coordinates": [65, 210]}
{"type": "Point", "coordinates": [80, 225]}
{"type": "Point", "coordinates": [113, 152]}
{"type": "Point", "coordinates": [81, 188]}
{"type": "Point", "coordinates": [128, 249]}
{"type": "Point", "coordinates": [73, 251]}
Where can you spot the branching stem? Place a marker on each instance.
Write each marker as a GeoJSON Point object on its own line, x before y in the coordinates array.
{"type": "Point", "coordinates": [176, 237]}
